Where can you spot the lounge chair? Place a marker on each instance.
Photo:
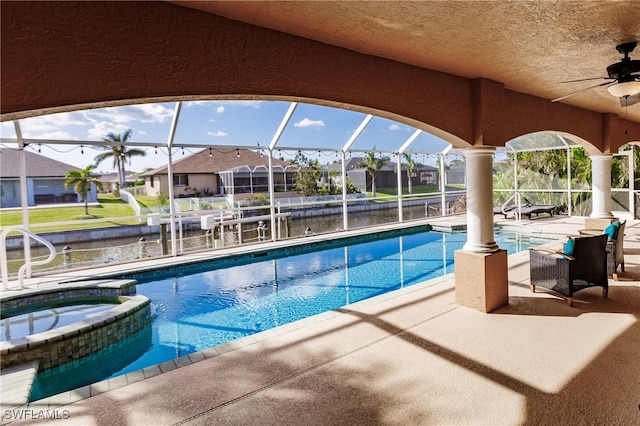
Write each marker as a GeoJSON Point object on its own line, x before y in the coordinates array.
{"type": "Point", "coordinates": [581, 265]}
{"type": "Point", "coordinates": [525, 209]}
{"type": "Point", "coordinates": [615, 247]}
{"type": "Point", "coordinates": [504, 210]}
{"type": "Point", "coordinates": [537, 209]}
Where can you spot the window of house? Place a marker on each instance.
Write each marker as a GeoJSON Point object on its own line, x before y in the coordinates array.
{"type": "Point", "coordinates": [152, 180]}
{"type": "Point", "coordinates": [180, 180]}
{"type": "Point", "coordinates": [427, 178]}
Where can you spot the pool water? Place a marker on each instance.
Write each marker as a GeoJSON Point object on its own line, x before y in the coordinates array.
{"type": "Point", "coordinates": [195, 311]}
{"type": "Point", "coordinates": [39, 321]}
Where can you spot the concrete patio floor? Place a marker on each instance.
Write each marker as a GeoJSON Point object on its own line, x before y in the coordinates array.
{"type": "Point", "coordinates": [410, 357]}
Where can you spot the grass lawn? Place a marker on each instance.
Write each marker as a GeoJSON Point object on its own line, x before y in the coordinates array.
{"type": "Point", "coordinates": [147, 201]}
{"type": "Point", "coordinates": [110, 207]}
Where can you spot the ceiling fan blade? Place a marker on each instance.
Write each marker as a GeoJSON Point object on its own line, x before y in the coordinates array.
{"type": "Point", "coordinates": [630, 100]}
{"type": "Point", "coordinates": [582, 90]}
{"type": "Point", "coordinates": [587, 79]}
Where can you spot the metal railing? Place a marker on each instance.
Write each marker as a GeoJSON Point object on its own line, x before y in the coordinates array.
{"type": "Point", "coordinates": [28, 263]}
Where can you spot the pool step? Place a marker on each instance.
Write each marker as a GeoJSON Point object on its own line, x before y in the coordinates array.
{"type": "Point", "coordinates": [449, 227]}
{"type": "Point", "coordinates": [16, 384]}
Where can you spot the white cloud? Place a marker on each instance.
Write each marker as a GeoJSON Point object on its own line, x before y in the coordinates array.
{"type": "Point", "coordinates": [222, 104]}
{"type": "Point", "coordinates": [33, 127]}
{"type": "Point", "coordinates": [155, 112]}
{"type": "Point", "coordinates": [103, 128]}
{"type": "Point", "coordinates": [48, 126]}
{"type": "Point", "coordinates": [74, 118]}
{"type": "Point", "coordinates": [394, 127]}
{"type": "Point", "coordinates": [146, 113]}
{"type": "Point", "coordinates": [252, 104]}
{"type": "Point", "coordinates": [219, 133]}
{"type": "Point", "coordinates": [305, 122]}
{"type": "Point", "coordinates": [190, 104]}
{"type": "Point", "coordinates": [7, 130]}
{"type": "Point", "coordinates": [96, 123]}
{"type": "Point", "coordinates": [54, 135]}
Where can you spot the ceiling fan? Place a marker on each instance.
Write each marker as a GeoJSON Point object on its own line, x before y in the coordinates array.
{"type": "Point", "coordinates": [623, 81]}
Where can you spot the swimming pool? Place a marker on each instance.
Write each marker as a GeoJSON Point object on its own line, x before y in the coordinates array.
{"type": "Point", "coordinates": [198, 308]}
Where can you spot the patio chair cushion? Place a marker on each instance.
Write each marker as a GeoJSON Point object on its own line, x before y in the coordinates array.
{"type": "Point", "coordinates": [568, 247]}
{"type": "Point", "coordinates": [612, 230]}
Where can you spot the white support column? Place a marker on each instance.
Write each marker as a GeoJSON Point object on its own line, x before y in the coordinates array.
{"type": "Point", "coordinates": [632, 177]}
{"type": "Point", "coordinates": [601, 186]}
{"type": "Point", "coordinates": [345, 209]}
{"type": "Point", "coordinates": [516, 187]}
{"type": "Point", "coordinates": [24, 200]}
{"type": "Point", "coordinates": [443, 186]}
{"type": "Point", "coordinates": [569, 194]}
{"type": "Point", "coordinates": [272, 146]}
{"type": "Point", "coordinates": [172, 209]}
{"type": "Point", "coordinates": [345, 149]}
{"type": "Point", "coordinates": [479, 163]}
{"type": "Point", "coordinates": [272, 197]}
{"type": "Point", "coordinates": [400, 218]}
{"type": "Point", "coordinates": [481, 267]}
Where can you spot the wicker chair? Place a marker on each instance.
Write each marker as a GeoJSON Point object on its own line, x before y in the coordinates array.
{"type": "Point", "coordinates": [615, 249]}
{"type": "Point", "coordinates": [565, 274]}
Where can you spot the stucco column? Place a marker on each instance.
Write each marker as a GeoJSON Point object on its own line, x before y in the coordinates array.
{"type": "Point", "coordinates": [479, 170]}
{"type": "Point", "coordinates": [481, 269]}
{"type": "Point", "coordinates": [601, 186]}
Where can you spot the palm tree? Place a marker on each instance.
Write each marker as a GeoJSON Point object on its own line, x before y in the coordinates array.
{"type": "Point", "coordinates": [119, 153]}
{"type": "Point", "coordinates": [373, 166]}
{"type": "Point", "coordinates": [81, 181]}
{"type": "Point", "coordinates": [412, 167]}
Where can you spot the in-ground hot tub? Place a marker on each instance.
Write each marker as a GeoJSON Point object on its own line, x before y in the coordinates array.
{"type": "Point", "coordinates": [56, 346]}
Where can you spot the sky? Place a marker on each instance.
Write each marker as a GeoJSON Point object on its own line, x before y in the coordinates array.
{"type": "Point", "coordinates": [216, 123]}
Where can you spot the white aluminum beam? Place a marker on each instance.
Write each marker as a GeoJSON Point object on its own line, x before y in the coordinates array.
{"type": "Point", "coordinates": [283, 125]}
{"type": "Point", "coordinates": [172, 209]}
{"type": "Point", "coordinates": [409, 141]}
{"type": "Point", "coordinates": [24, 201]}
{"type": "Point", "coordinates": [355, 134]}
{"type": "Point", "coordinates": [345, 210]}
{"type": "Point", "coordinates": [399, 176]}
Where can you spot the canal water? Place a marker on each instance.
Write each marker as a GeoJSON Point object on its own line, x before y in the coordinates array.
{"type": "Point", "coordinates": [84, 254]}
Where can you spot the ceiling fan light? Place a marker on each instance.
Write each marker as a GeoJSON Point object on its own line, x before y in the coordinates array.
{"type": "Point", "coordinates": [627, 88]}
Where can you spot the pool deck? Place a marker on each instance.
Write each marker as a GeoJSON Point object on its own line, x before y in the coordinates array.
{"type": "Point", "coordinates": [408, 357]}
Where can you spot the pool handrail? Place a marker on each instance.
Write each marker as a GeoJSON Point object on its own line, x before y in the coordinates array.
{"type": "Point", "coordinates": [3, 255]}
{"type": "Point", "coordinates": [517, 211]}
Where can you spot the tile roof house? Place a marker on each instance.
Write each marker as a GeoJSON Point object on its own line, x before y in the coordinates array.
{"type": "Point", "coordinates": [45, 180]}
{"type": "Point", "coordinates": [110, 180]}
{"type": "Point", "coordinates": [221, 172]}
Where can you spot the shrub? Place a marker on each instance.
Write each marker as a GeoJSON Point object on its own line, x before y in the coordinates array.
{"type": "Point", "coordinates": [258, 200]}
{"type": "Point", "coordinates": [163, 199]}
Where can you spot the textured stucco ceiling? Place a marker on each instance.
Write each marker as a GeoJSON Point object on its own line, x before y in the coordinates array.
{"type": "Point", "coordinates": [530, 46]}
